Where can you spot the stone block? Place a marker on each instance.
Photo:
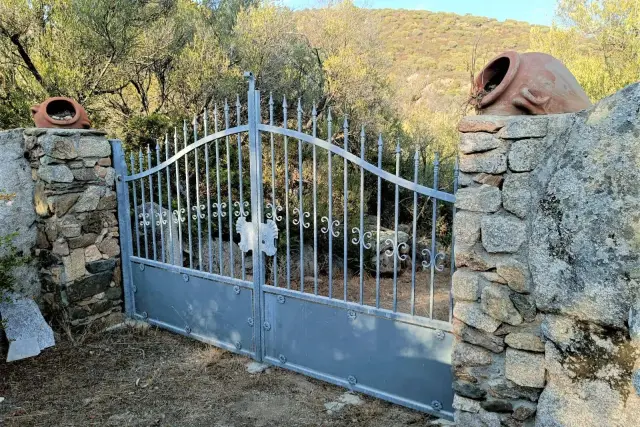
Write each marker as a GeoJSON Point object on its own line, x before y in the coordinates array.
{"type": "Point", "coordinates": [515, 273]}
{"type": "Point", "coordinates": [89, 286]}
{"type": "Point", "coordinates": [505, 389]}
{"type": "Point", "coordinates": [62, 203]}
{"type": "Point", "coordinates": [105, 161]}
{"type": "Point", "coordinates": [466, 228]}
{"type": "Point", "coordinates": [74, 265]}
{"type": "Point", "coordinates": [496, 302]}
{"type": "Point", "coordinates": [465, 404]}
{"type": "Point", "coordinates": [94, 146]}
{"type": "Point", "coordinates": [485, 198]}
{"type": "Point", "coordinates": [63, 148]}
{"type": "Point", "coordinates": [502, 233]}
{"type": "Point", "coordinates": [100, 265]}
{"type": "Point", "coordinates": [477, 337]}
{"type": "Point", "coordinates": [82, 241]}
{"type": "Point", "coordinates": [469, 355]}
{"type": "Point", "coordinates": [70, 227]}
{"type": "Point", "coordinates": [482, 123]}
{"type": "Point", "coordinates": [480, 419]}
{"type": "Point", "coordinates": [475, 257]}
{"type": "Point", "coordinates": [89, 199]}
{"type": "Point", "coordinates": [55, 173]}
{"type": "Point", "coordinates": [497, 405]}
{"type": "Point", "coordinates": [60, 247]}
{"type": "Point", "coordinates": [466, 285]}
{"type": "Point", "coordinates": [525, 305]}
{"type": "Point", "coordinates": [92, 254]}
{"type": "Point", "coordinates": [109, 247]}
{"type": "Point", "coordinates": [525, 155]}
{"type": "Point", "coordinates": [524, 368]}
{"type": "Point", "coordinates": [467, 389]}
{"type": "Point", "coordinates": [516, 194]}
{"type": "Point", "coordinates": [525, 127]}
{"type": "Point", "coordinates": [471, 313]}
{"type": "Point", "coordinates": [524, 410]}
{"type": "Point", "coordinates": [493, 162]}
{"type": "Point", "coordinates": [464, 179]}
{"type": "Point", "coordinates": [84, 174]}
{"type": "Point", "coordinates": [525, 341]}
{"type": "Point", "coordinates": [478, 142]}
{"type": "Point", "coordinates": [485, 178]}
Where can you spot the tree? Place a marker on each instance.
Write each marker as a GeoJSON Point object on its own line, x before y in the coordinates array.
{"type": "Point", "coordinates": [599, 42]}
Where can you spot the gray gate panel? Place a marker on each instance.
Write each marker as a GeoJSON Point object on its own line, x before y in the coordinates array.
{"type": "Point", "coordinates": [205, 309]}
{"type": "Point", "coordinates": [404, 363]}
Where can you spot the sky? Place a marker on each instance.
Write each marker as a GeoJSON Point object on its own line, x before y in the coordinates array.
{"type": "Point", "coordinates": [532, 11]}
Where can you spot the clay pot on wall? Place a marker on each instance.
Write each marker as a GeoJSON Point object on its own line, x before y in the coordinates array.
{"type": "Point", "coordinates": [60, 112]}
{"type": "Point", "coordinates": [527, 83]}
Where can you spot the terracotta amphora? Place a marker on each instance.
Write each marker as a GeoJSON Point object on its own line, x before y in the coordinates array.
{"type": "Point", "coordinates": [60, 112]}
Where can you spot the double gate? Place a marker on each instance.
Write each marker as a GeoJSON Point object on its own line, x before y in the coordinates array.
{"type": "Point", "coordinates": [269, 242]}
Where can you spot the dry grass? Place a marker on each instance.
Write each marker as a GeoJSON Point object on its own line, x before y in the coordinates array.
{"type": "Point", "coordinates": [155, 378]}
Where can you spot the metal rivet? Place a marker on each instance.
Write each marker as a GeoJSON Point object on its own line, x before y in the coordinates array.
{"type": "Point", "coordinates": [281, 299]}
{"type": "Point", "coordinates": [141, 267]}
{"type": "Point", "coordinates": [236, 289]}
{"type": "Point", "coordinates": [250, 321]}
{"type": "Point", "coordinates": [266, 326]}
{"type": "Point", "coordinates": [187, 329]}
{"type": "Point", "coordinates": [352, 380]}
{"type": "Point", "coordinates": [185, 277]}
{"type": "Point", "coordinates": [145, 315]}
{"type": "Point", "coordinates": [436, 405]}
{"type": "Point", "coordinates": [134, 288]}
{"type": "Point", "coordinates": [282, 358]}
{"type": "Point", "coordinates": [351, 314]}
{"type": "Point", "coordinates": [440, 335]}
{"type": "Point", "coordinates": [119, 178]}
{"type": "Point", "coordinates": [238, 345]}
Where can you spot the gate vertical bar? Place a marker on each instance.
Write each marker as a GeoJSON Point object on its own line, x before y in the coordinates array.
{"type": "Point", "coordinates": [126, 242]}
{"type": "Point", "coordinates": [255, 166]}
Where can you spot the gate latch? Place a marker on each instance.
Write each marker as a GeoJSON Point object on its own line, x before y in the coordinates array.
{"type": "Point", "coordinates": [268, 235]}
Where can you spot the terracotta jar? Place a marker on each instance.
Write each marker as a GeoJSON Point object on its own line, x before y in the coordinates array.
{"type": "Point", "coordinates": [60, 112]}
{"type": "Point", "coordinates": [527, 83]}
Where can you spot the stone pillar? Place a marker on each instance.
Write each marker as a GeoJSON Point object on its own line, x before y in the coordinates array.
{"type": "Point", "coordinates": [547, 294]}
{"type": "Point", "coordinates": [77, 244]}
{"type": "Point", "coordinates": [498, 357]}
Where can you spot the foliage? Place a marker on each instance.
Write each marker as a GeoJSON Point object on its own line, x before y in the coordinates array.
{"type": "Point", "coordinates": [599, 42]}
{"type": "Point", "coordinates": [10, 256]}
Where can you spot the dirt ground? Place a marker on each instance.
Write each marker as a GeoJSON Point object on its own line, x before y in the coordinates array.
{"type": "Point", "coordinates": [155, 378]}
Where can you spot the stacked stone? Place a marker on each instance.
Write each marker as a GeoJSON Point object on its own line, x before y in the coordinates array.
{"type": "Point", "coordinates": [498, 358]}
{"type": "Point", "coordinates": [78, 240]}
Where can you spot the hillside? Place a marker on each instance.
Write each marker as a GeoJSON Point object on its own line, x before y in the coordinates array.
{"type": "Point", "coordinates": [432, 52]}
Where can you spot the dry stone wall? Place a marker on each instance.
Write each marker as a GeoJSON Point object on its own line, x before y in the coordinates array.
{"type": "Point", "coordinates": [547, 295]}
{"type": "Point", "coordinates": [77, 242]}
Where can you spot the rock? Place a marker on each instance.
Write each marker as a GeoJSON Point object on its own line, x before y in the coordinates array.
{"type": "Point", "coordinates": [482, 123]}
{"type": "Point", "coordinates": [465, 179]}
{"type": "Point", "coordinates": [466, 285]}
{"type": "Point", "coordinates": [524, 341]}
{"type": "Point", "coordinates": [472, 314]}
{"type": "Point", "coordinates": [89, 286]}
{"type": "Point", "coordinates": [105, 161]}
{"type": "Point", "coordinates": [469, 355]}
{"type": "Point", "coordinates": [74, 265]}
{"type": "Point", "coordinates": [525, 369]}
{"type": "Point", "coordinates": [496, 302]}
{"type": "Point", "coordinates": [525, 306]}
{"type": "Point", "coordinates": [84, 174]}
{"type": "Point", "coordinates": [40, 201]}
{"type": "Point", "coordinates": [100, 265]}
{"type": "Point", "coordinates": [492, 276]}
{"type": "Point", "coordinates": [226, 258]}
{"type": "Point", "coordinates": [82, 241]}
{"type": "Point", "coordinates": [23, 349]}
{"type": "Point", "coordinates": [70, 227]}
{"type": "Point", "coordinates": [387, 241]}
{"type": "Point", "coordinates": [516, 195]}
{"type": "Point", "coordinates": [55, 173]}
{"type": "Point", "coordinates": [525, 127]}
{"type": "Point", "coordinates": [64, 202]}
{"type": "Point", "coordinates": [466, 228]}
{"type": "Point", "coordinates": [494, 405]}
{"type": "Point", "coordinates": [502, 233]}
{"type": "Point", "coordinates": [256, 367]}
{"type": "Point", "coordinates": [88, 201]}
{"type": "Point", "coordinates": [480, 419]}
{"type": "Point", "coordinates": [94, 146]}
{"type": "Point", "coordinates": [467, 389]}
{"type": "Point", "coordinates": [109, 247]}
{"type": "Point", "coordinates": [505, 389]}
{"type": "Point", "coordinates": [475, 257]}
{"type": "Point", "coordinates": [524, 410]}
{"type": "Point", "coordinates": [464, 404]}
{"type": "Point", "coordinates": [108, 201]}
{"type": "Point", "coordinates": [477, 337]}
{"type": "Point", "coordinates": [525, 155]}
{"type": "Point", "coordinates": [515, 273]}
{"type": "Point", "coordinates": [173, 251]}
{"type": "Point", "coordinates": [60, 247]}
{"type": "Point", "coordinates": [485, 198]}
{"type": "Point", "coordinates": [92, 254]}
{"type": "Point", "coordinates": [493, 162]}
{"type": "Point", "coordinates": [485, 178]}
{"type": "Point", "coordinates": [478, 142]}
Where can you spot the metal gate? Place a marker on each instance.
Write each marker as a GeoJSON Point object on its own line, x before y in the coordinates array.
{"type": "Point", "coordinates": [336, 272]}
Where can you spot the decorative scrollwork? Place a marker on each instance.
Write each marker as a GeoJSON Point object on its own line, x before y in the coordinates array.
{"type": "Point", "coordinates": [396, 250]}
{"type": "Point", "coordinates": [241, 208]}
{"type": "Point", "coordinates": [361, 238]}
{"type": "Point", "coordinates": [274, 212]}
{"type": "Point", "coordinates": [161, 218]}
{"type": "Point", "coordinates": [198, 211]}
{"type": "Point", "coordinates": [144, 218]}
{"type": "Point", "coordinates": [179, 215]}
{"type": "Point", "coordinates": [330, 226]}
{"type": "Point", "coordinates": [440, 256]}
{"type": "Point", "coordinates": [301, 217]}
{"type": "Point", "coordinates": [219, 210]}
